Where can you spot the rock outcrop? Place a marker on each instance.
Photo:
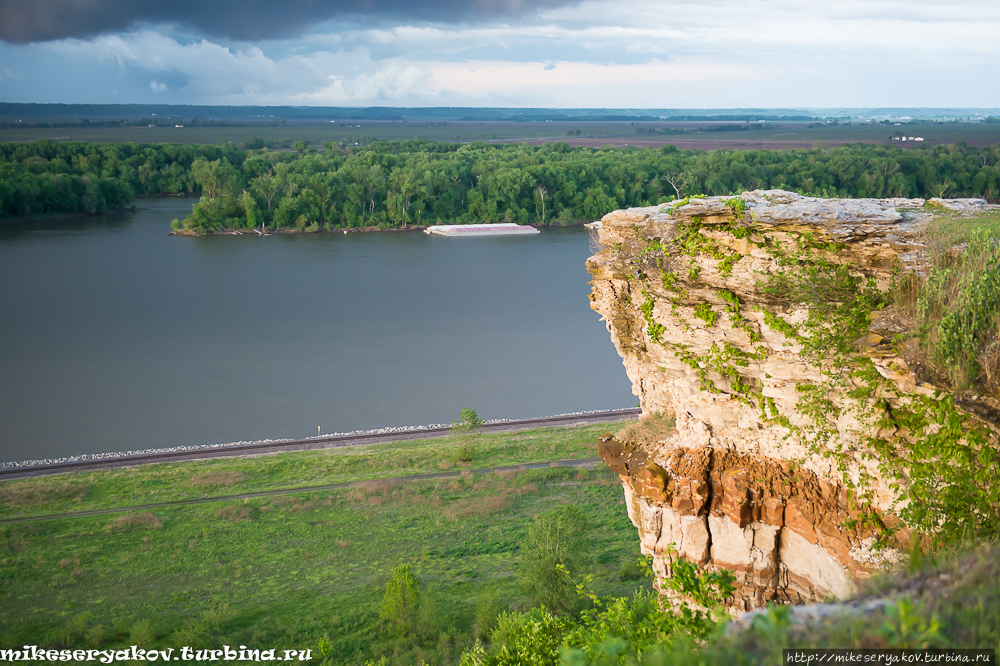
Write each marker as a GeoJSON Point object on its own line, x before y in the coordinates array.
{"type": "Point", "coordinates": [737, 485]}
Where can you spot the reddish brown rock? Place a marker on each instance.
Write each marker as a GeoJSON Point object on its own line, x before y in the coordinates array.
{"type": "Point", "coordinates": [799, 518]}
{"type": "Point", "coordinates": [651, 482]}
{"type": "Point", "coordinates": [773, 512]}
{"type": "Point", "coordinates": [624, 458]}
{"type": "Point", "coordinates": [612, 453]}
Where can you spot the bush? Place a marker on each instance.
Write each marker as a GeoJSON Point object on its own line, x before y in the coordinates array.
{"type": "Point", "coordinates": [553, 556]}
{"type": "Point", "coordinates": [142, 634]}
{"type": "Point", "coordinates": [463, 454]}
{"type": "Point", "coordinates": [629, 570]}
{"type": "Point", "coordinates": [488, 608]}
{"type": "Point", "coordinates": [613, 630]}
{"type": "Point", "coordinates": [521, 639]}
{"type": "Point", "coordinates": [401, 601]}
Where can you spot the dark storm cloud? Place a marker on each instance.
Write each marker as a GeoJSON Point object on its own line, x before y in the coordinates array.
{"type": "Point", "coordinates": [42, 20]}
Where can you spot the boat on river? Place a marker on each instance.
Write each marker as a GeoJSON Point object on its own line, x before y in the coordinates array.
{"type": "Point", "coordinates": [496, 229]}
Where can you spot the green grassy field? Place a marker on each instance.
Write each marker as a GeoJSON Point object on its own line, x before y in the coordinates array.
{"type": "Point", "coordinates": [164, 482]}
{"type": "Point", "coordinates": [282, 572]}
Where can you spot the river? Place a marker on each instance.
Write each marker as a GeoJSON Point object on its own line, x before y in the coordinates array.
{"type": "Point", "coordinates": [116, 336]}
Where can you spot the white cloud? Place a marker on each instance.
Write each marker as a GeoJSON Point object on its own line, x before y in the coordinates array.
{"type": "Point", "coordinates": [723, 26]}
{"type": "Point", "coordinates": [217, 74]}
{"type": "Point", "coordinates": [484, 77]}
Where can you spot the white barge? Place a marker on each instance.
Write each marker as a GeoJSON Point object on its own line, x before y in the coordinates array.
{"type": "Point", "coordinates": [499, 229]}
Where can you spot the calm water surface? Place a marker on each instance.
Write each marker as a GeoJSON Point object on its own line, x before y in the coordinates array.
{"type": "Point", "coordinates": [115, 336]}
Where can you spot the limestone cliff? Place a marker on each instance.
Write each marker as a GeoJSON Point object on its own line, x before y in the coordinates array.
{"type": "Point", "coordinates": [701, 305]}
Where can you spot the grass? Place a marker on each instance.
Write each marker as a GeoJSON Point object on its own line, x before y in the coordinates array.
{"type": "Point", "coordinates": [950, 229]}
{"type": "Point", "coordinates": [650, 429]}
{"type": "Point", "coordinates": [101, 489]}
{"type": "Point", "coordinates": [285, 571]}
{"type": "Point", "coordinates": [958, 302]}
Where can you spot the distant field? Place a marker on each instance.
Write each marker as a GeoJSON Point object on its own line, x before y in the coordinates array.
{"type": "Point", "coordinates": [349, 132]}
{"type": "Point", "coordinates": [785, 135]}
{"type": "Point", "coordinates": [800, 136]}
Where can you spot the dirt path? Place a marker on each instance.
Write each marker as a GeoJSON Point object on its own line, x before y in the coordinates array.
{"type": "Point", "coordinates": [573, 462]}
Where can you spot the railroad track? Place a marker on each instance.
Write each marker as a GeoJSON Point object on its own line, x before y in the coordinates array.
{"type": "Point", "coordinates": [331, 442]}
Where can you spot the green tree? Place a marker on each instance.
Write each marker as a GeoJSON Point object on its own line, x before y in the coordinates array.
{"type": "Point", "coordinates": [541, 194]}
{"type": "Point", "coordinates": [466, 428]}
{"type": "Point", "coordinates": [467, 423]}
{"type": "Point", "coordinates": [250, 208]}
{"type": "Point", "coordinates": [217, 178]}
{"type": "Point", "coordinates": [401, 601]}
{"type": "Point", "coordinates": [553, 556]}
{"type": "Point", "coordinates": [267, 186]}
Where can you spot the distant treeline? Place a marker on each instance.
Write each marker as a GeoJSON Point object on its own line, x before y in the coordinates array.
{"type": "Point", "coordinates": [142, 122]}
{"type": "Point", "coordinates": [395, 184]}
{"type": "Point", "coordinates": [20, 111]}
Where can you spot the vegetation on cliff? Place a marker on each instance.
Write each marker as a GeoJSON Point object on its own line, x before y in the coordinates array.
{"type": "Point", "coordinates": [944, 459]}
{"type": "Point", "coordinates": [941, 458]}
{"type": "Point", "coordinates": [946, 452]}
{"type": "Point", "coordinates": [957, 305]}
{"type": "Point", "coordinates": [395, 184]}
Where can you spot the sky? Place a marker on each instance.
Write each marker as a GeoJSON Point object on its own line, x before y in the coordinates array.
{"type": "Point", "coordinates": [504, 53]}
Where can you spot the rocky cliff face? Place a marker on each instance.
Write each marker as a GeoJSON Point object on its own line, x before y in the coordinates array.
{"type": "Point", "coordinates": [706, 302]}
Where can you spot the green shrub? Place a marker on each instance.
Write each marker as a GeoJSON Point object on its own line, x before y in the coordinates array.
{"type": "Point", "coordinates": [959, 307]}
{"type": "Point", "coordinates": [521, 639]}
{"type": "Point", "coordinates": [553, 556]}
{"type": "Point", "coordinates": [488, 609]}
{"type": "Point", "coordinates": [611, 629]}
{"type": "Point", "coordinates": [464, 453]}
{"type": "Point", "coordinates": [142, 634]}
{"type": "Point", "coordinates": [401, 602]}
{"type": "Point", "coordinates": [629, 570]}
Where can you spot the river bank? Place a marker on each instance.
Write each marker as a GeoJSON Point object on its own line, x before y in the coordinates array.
{"type": "Point", "coordinates": [349, 230]}
{"type": "Point", "coordinates": [55, 217]}
{"type": "Point", "coordinates": [272, 232]}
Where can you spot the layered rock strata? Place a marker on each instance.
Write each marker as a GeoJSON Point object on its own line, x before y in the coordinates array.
{"type": "Point", "coordinates": [732, 487]}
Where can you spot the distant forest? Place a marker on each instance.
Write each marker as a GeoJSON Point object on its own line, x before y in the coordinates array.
{"type": "Point", "coordinates": [400, 183]}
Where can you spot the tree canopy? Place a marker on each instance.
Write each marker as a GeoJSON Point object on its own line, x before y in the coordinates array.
{"type": "Point", "coordinates": [400, 183]}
